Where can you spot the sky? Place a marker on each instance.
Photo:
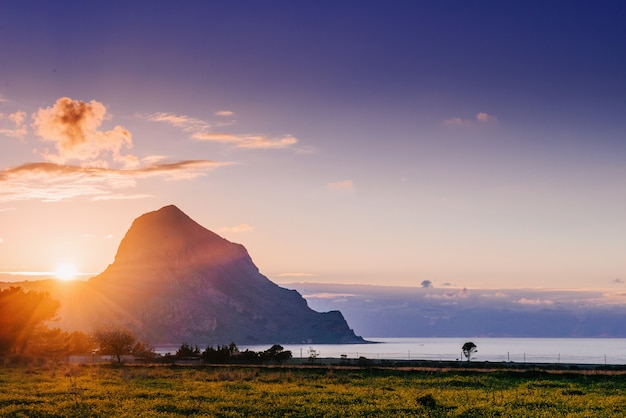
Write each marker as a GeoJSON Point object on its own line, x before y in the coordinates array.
{"type": "Point", "coordinates": [471, 144]}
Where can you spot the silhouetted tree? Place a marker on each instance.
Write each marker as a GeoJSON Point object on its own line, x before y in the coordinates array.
{"type": "Point", "coordinates": [276, 353]}
{"type": "Point", "coordinates": [249, 357]}
{"type": "Point", "coordinates": [219, 355]}
{"type": "Point", "coordinates": [185, 351]}
{"type": "Point", "coordinates": [469, 348]}
{"type": "Point", "coordinates": [21, 313]}
{"type": "Point", "coordinates": [117, 342]}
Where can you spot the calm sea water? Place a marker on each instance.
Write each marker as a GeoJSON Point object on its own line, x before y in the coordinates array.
{"type": "Point", "coordinates": [520, 350]}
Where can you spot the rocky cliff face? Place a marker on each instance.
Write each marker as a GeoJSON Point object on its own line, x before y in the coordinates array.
{"type": "Point", "coordinates": [173, 281]}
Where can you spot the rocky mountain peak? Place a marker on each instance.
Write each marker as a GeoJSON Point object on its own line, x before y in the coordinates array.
{"type": "Point", "coordinates": [173, 280]}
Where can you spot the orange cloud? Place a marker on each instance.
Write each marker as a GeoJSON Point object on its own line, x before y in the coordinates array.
{"type": "Point", "coordinates": [186, 123]}
{"type": "Point", "coordinates": [199, 130]}
{"type": "Point", "coordinates": [19, 130]}
{"type": "Point", "coordinates": [216, 136]}
{"type": "Point", "coordinates": [53, 182]}
{"type": "Point", "coordinates": [247, 141]}
{"type": "Point", "coordinates": [264, 142]}
{"type": "Point", "coordinates": [73, 127]}
{"type": "Point", "coordinates": [342, 185]}
{"type": "Point", "coordinates": [485, 118]}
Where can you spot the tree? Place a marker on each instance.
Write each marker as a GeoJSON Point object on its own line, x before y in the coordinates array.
{"type": "Point", "coordinates": [186, 351]}
{"type": "Point", "coordinates": [469, 348]}
{"type": "Point", "coordinates": [117, 342]}
{"type": "Point", "coordinates": [21, 313]}
{"type": "Point", "coordinates": [276, 353]}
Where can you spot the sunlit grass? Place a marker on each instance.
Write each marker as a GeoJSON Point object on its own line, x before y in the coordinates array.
{"type": "Point", "coordinates": [103, 391]}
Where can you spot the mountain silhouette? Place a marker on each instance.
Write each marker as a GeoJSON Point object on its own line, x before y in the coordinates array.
{"type": "Point", "coordinates": [175, 281]}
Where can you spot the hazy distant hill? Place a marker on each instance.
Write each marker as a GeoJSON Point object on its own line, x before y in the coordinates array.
{"type": "Point", "coordinates": [174, 281]}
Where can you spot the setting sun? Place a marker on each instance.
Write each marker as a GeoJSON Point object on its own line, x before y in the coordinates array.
{"type": "Point", "coordinates": [65, 271]}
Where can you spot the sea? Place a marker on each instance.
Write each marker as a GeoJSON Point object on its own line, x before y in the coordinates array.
{"type": "Point", "coordinates": [519, 350]}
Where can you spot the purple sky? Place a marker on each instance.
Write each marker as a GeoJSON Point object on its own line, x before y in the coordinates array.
{"type": "Point", "coordinates": [480, 144]}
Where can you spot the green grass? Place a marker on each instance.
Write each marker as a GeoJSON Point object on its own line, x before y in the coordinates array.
{"type": "Point", "coordinates": [168, 391]}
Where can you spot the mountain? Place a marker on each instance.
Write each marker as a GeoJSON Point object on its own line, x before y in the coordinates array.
{"type": "Point", "coordinates": [174, 281]}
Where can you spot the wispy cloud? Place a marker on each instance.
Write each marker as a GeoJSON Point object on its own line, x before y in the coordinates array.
{"type": "Point", "coordinates": [480, 118]}
{"type": "Point", "coordinates": [200, 131]}
{"type": "Point", "coordinates": [247, 141]}
{"type": "Point", "coordinates": [345, 185]}
{"type": "Point", "coordinates": [184, 122]}
{"type": "Point", "coordinates": [19, 129]}
{"type": "Point", "coordinates": [217, 137]}
{"type": "Point", "coordinates": [237, 228]}
{"type": "Point", "coordinates": [53, 182]}
{"type": "Point", "coordinates": [296, 275]}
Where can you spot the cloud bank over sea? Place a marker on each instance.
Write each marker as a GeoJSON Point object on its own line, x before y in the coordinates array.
{"type": "Point", "coordinates": [386, 311]}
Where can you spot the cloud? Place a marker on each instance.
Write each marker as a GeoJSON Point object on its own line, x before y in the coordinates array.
{"type": "Point", "coordinates": [480, 118]}
{"type": "Point", "coordinates": [457, 122]}
{"type": "Point", "coordinates": [341, 185]}
{"type": "Point", "coordinates": [485, 118]}
{"type": "Point", "coordinates": [73, 127]}
{"type": "Point", "coordinates": [54, 182]}
{"type": "Point", "coordinates": [336, 296]}
{"type": "Point", "coordinates": [19, 130]}
{"type": "Point", "coordinates": [426, 283]}
{"type": "Point", "coordinates": [247, 141]}
{"type": "Point", "coordinates": [538, 301]}
{"type": "Point", "coordinates": [186, 123]}
{"type": "Point", "coordinates": [618, 281]}
{"type": "Point", "coordinates": [296, 275]}
{"type": "Point", "coordinates": [494, 295]}
{"type": "Point", "coordinates": [263, 142]}
{"type": "Point", "coordinates": [217, 137]}
{"type": "Point", "coordinates": [200, 132]}
{"type": "Point", "coordinates": [238, 228]}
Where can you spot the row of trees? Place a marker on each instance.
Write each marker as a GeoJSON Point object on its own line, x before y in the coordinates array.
{"type": "Point", "coordinates": [226, 354]}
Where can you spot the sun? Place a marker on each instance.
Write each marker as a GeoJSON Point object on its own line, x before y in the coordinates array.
{"type": "Point", "coordinates": [65, 271]}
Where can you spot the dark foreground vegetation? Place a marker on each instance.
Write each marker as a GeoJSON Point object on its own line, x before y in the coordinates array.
{"type": "Point", "coordinates": [281, 391]}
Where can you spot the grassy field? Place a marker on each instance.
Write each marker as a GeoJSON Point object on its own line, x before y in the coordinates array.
{"type": "Point", "coordinates": [170, 391]}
